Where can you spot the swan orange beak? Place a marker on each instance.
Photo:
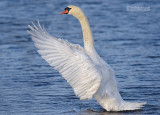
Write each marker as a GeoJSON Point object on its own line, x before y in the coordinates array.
{"type": "Point", "coordinates": [65, 12]}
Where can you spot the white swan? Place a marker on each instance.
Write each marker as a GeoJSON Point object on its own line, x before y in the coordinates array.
{"type": "Point", "coordinates": [83, 68]}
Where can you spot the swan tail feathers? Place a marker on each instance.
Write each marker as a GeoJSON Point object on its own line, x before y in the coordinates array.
{"type": "Point", "coordinates": [112, 105]}
{"type": "Point", "coordinates": [132, 106]}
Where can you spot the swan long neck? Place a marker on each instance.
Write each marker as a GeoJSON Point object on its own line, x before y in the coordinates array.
{"type": "Point", "coordinates": [87, 33]}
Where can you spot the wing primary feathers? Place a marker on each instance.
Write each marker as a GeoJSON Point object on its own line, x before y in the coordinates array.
{"type": "Point", "coordinates": [69, 59]}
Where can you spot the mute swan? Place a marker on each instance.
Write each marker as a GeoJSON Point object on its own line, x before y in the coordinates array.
{"type": "Point", "coordinates": [83, 68]}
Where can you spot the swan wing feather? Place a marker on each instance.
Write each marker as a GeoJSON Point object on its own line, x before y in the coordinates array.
{"type": "Point", "coordinates": [70, 60]}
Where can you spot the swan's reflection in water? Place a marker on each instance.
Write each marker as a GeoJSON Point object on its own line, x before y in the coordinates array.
{"type": "Point", "coordinates": [104, 112]}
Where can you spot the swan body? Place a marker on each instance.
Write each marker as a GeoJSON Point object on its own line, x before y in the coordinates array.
{"type": "Point", "coordinates": [83, 68]}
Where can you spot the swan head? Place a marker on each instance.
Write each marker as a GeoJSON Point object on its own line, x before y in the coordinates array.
{"type": "Point", "coordinates": [73, 10]}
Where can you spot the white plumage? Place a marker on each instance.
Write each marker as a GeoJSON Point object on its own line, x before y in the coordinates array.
{"type": "Point", "coordinates": [83, 68]}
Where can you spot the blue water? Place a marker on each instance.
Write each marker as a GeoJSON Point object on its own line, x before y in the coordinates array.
{"type": "Point", "coordinates": [128, 40]}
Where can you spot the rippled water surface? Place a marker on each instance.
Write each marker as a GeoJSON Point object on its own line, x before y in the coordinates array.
{"type": "Point", "coordinates": [128, 40]}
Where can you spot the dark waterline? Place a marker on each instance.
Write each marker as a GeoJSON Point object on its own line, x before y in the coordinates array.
{"type": "Point", "coordinates": [127, 40]}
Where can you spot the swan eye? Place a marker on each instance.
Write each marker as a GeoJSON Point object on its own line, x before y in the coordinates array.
{"type": "Point", "coordinates": [67, 8]}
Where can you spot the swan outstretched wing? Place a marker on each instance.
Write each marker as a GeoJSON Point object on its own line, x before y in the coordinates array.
{"type": "Point", "coordinates": [70, 60]}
